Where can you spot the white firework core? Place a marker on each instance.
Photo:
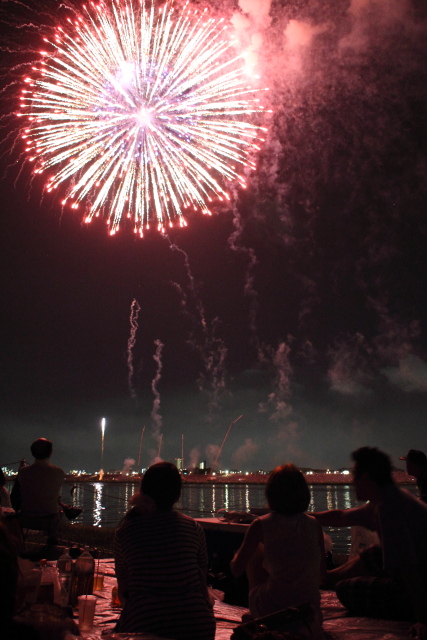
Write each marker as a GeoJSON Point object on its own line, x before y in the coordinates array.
{"type": "Point", "coordinates": [140, 112]}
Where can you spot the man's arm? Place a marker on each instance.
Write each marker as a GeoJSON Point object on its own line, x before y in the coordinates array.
{"type": "Point", "coordinates": [361, 516]}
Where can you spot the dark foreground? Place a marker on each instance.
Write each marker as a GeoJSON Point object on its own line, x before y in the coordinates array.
{"type": "Point", "coordinates": [336, 621]}
{"type": "Point", "coordinates": [228, 613]}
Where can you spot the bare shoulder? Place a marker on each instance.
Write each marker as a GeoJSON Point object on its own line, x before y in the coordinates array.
{"type": "Point", "coordinates": [255, 529]}
{"type": "Point", "coordinates": [313, 520]}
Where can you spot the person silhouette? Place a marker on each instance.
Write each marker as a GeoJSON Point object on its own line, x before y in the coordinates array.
{"type": "Point", "coordinates": [36, 492]}
{"type": "Point", "coordinates": [416, 466]}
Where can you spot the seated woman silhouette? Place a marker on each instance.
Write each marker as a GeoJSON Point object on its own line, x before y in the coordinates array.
{"type": "Point", "coordinates": [283, 551]}
{"type": "Point", "coordinates": [161, 564]}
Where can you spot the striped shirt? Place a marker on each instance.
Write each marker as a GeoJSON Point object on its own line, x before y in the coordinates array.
{"type": "Point", "coordinates": [161, 563]}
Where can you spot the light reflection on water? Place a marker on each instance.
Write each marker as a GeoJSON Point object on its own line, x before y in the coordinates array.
{"type": "Point", "coordinates": [97, 503]}
{"type": "Point", "coordinates": [105, 504]}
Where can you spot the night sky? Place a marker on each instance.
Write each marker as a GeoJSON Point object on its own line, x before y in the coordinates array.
{"type": "Point", "coordinates": [301, 307]}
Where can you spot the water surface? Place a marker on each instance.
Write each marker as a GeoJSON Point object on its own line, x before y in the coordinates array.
{"type": "Point", "coordinates": [105, 504]}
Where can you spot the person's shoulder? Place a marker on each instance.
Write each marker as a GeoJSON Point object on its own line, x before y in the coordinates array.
{"type": "Point", "coordinates": [311, 520]}
{"type": "Point", "coordinates": [257, 524]}
{"type": "Point", "coordinates": [22, 471]}
{"type": "Point", "coordinates": [132, 521]}
{"type": "Point", "coordinates": [183, 516]}
{"type": "Point", "coordinates": [60, 469]}
{"type": "Point", "coordinates": [186, 520]}
{"type": "Point", "coordinates": [271, 515]}
{"type": "Point", "coordinates": [57, 470]}
{"type": "Point", "coordinates": [125, 522]}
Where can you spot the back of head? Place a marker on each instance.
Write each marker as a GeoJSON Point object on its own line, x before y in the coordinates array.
{"type": "Point", "coordinates": [287, 491]}
{"type": "Point", "coordinates": [41, 449]}
{"type": "Point", "coordinates": [375, 463]}
{"type": "Point", "coordinates": [2, 478]}
{"type": "Point", "coordinates": [414, 456]}
{"type": "Point", "coordinates": [162, 483]}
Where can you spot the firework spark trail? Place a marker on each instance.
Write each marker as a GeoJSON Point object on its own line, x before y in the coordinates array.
{"type": "Point", "coordinates": [134, 312]}
{"type": "Point", "coordinates": [102, 440]}
{"type": "Point", "coordinates": [141, 112]}
{"type": "Point", "coordinates": [248, 288]}
{"type": "Point", "coordinates": [101, 471]}
{"type": "Point", "coordinates": [214, 353]}
{"type": "Point", "coordinates": [140, 447]}
{"type": "Point", "coordinates": [155, 413]}
{"type": "Point", "coordinates": [192, 285]}
{"type": "Point", "coordinates": [211, 349]}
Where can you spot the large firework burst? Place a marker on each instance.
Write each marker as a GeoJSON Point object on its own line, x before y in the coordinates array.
{"type": "Point", "coordinates": [141, 112]}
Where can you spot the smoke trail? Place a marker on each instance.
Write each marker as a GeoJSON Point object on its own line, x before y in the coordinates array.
{"type": "Point", "coordinates": [127, 466]}
{"type": "Point", "coordinates": [245, 453]}
{"type": "Point", "coordinates": [155, 413]}
{"type": "Point", "coordinates": [349, 371]}
{"type": "Point", "coordinates": [134, 312]}
{"type": "Point", "coordinates": [250, 25]}
{"type": "Point", "coordinates": [285, 439]}
{"type": "Point", "coordinates": [410, 374]}
{"type": "Point", "coordinates": [203, 339]}
{"type": "Point", "coordinates": [214, 353]}
{"type": "Point", "coordinates": [278, 399]}
{"type": "Point", "coordinates": [198, 322]}
{"type": "Point", "coordinates": [194, 457]}
{"type": "Point", "coordinates": [249, 277]}
{"type": "Point", "coordinates": [212, 451]}
{"type": "Point", "coordinates": [189, 274]}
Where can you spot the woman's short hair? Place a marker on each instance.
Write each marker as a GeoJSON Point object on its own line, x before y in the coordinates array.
{"type": "Point", "coordinates": [287, 491]}
{"type": "Point", "coordinates": [162, 483]}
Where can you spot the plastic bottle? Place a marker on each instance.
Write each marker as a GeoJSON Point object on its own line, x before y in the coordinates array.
{"type": "Point", "coordinates": [82, 580]}
{"type": "Point", "coordinates": [64, 563]}
{"type": "Point", "coordinates": [65, 570]}
{"type": "Point", "coordinates": [50, 590]}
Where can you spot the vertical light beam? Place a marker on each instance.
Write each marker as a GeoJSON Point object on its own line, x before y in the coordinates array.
{"type": "Point", "coordinates": [101, 472]}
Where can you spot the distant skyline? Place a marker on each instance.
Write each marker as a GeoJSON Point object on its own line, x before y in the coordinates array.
{"type": "Point", "coordinates": [300, 305]}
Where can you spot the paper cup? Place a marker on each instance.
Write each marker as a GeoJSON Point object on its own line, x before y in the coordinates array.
{"type": "Point", "coordinates": [86, 612]}
{"type": "Point", "coordinates": [98, 582]}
